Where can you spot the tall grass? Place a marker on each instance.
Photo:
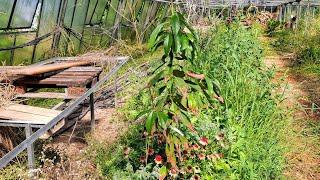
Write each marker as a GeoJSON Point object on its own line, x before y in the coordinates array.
{"type": "Point", "coordinates": [304, 41]}
{"type": "Point", "coordinates": [252, 117]}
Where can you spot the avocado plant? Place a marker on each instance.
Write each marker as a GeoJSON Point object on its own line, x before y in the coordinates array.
{"type": "Point", "coordinates": [176, 93]}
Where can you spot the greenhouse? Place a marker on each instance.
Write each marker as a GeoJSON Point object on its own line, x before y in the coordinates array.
{"type": "Point", "coordinates": [160, 89]}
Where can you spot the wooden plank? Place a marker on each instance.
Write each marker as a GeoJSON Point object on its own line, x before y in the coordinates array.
{"type": "Point", "coordinates": [85, 68]}
{"type": "Point", "coordinates": [32, 110]}
{"type": "Point", "coordinates": [62, 76]}
{"type": "Point", "coordinates": [58, 82]}
{"type": "Point", "coordinates": [22, 116]}
{"type": "Point", "coordinates": [82, 70]}
{"type": "Point", "coordinates": [48, 95]}
{"type": "Point", "coordinates": [92, 74]}
{"type": "Point", "coordinates": [33, 70]}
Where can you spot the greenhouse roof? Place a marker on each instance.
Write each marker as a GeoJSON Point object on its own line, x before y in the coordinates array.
{"type": "Point", "coordinates": [219, 3]}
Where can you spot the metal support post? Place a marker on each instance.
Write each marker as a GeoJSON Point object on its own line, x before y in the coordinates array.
{"type": "Point", "coordinates": [30, 148]}
{"type": "Point", "coordinates": [115, 91]}
{"type": "Point", "coordinates": [93, 123]}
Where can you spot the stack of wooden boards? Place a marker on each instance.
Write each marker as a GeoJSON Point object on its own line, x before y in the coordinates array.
{"type": "Point", "coordinates": [76, 76]}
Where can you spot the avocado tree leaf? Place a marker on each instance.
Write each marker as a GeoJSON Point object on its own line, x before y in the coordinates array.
{"type": "Point", "coordinates": [184, 22]}
{"type": "Point", "coordinates": [184, 119]}
{"type": "Point", "coordinates": [150, 121]}
{"type": "Point", "coordinates": [154, 35]}
{"type": "Point", "coordinates": [167, 44]}
{"type": "Point", "coordinates": [175, 24]}
{"type": "Point", "coordinates": [176, 130]}
{"type": "Point", "coordinates": [156, 78]}
{"type": "Point", "coordinates": [142, 113]}
{"type": "Point", "coordinates": [162, 119]}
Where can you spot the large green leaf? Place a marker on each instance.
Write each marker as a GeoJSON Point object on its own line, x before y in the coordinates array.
{"type": "Point", "coordinates": [162, 119]}
{"type": "Point", "coordinates": [167, 44]}
{"type": "Point", "coordinates": [175, 24]}
{"type": "Point", "coordinates": [150, 122]}
{"type": "Point", "coordinates": [156, 78]}
{"type": "Point", "coordinates": [154, 35]}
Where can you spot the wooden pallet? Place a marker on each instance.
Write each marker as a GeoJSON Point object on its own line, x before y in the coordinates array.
{"type": "Point", "coordinates": [76, 79]}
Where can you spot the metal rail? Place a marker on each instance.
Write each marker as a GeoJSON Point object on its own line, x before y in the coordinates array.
{"type": "Point", "coordinates": [28, 142]}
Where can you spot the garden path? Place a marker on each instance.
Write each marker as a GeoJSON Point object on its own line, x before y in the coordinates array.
{"type": "Point", "coordinates": [301, 95]}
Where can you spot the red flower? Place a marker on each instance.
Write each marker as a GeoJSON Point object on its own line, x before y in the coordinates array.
{"type": "Point", "coordinates": [142, 159]}
{"type": "Point", "coordinates": [202, 156]}
{"type": "Point", "coordinates": [158, 159]}
{"type": "Point", "coordinates": [150, 151]}
{"type": "Point", "coordinates": [204, 141]}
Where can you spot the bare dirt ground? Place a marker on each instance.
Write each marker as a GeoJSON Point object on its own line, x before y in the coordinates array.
{"type": "Point", "coordinates": [301, 94]}
{"type": "Point", "coordinates": [64, 157]}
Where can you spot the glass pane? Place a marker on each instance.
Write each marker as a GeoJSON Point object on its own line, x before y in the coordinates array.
{"type": "Point", "coordinates": [109, 21]}
{"type": "Point", "coordinates": [5, 10]}
{"type": "Point", "coordinates": [43, 50]}
{"type": "Point", "coordinates": [97, 16]}
{"type": "Point", "coordinates": [5, 58]}
{"type": "Point", "coordinates": [144, 13]}
{"type": "Point", "coordinates": [49, 15]}
{"type": "Point", "coordinates": [23, 56]}
{"type": "Point", "coordinates": [91, 9]}
{"type": "Point", "coordinates": [80, 15]}
{"type": "Point", "coordinates": [92, 37]}
{"type": "Point", "coordinates": [23, 13]}
{"type": "Point", "coordinates": [5, 42]}
{"type": "Point", "coordinates": [78, 22]}
{"type": "Point", "coordinates": [69, 13]}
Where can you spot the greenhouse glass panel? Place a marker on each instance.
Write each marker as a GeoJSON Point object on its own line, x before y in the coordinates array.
{"type": "Point", "coordinates": [71, 5]}
{"type": "Point", "coordinates": [78, 22]}
{"type": "Point", "coordinates": [109, 21]}
{"type": "Point", "coordinates": [49, 15]}
{"type": "Point", "coordinates": [5, 10]}
{"type": "Point", "coordinates": [80, 15]}
{"type": "Point", "coordinates": [97, 16]}
{"type": "Point", "coordinates": [23, 56]}
{"type": "Point", "coordinates": [24, 13]}
{"type": "Point", "coordinates": [43, 50]}
{"type": "Point", "coordinates": [5, 56]}
{"type": "Point", "coordinates": [91, 9]}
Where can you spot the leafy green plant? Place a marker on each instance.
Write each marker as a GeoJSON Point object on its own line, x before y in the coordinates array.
{"type": "Point", "coordinates": [176, 93]}
{"type": "Point", "coordinates": [272, 26]}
